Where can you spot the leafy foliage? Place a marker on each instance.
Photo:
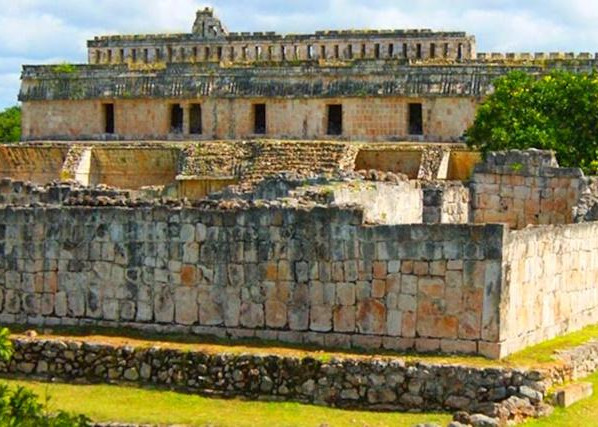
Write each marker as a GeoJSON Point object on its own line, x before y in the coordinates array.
{"type": "Point", "coordinates": [10, 124]}
{"type": "Point", "coordinates": [556, 112]}
{"type": "Point", "coordinates": [64, 68]}
{"type": "Point", "coordinates": [20, 407]}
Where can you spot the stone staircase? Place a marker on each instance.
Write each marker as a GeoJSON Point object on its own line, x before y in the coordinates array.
{"type": "Point", "coordinates": [272, 157]}
{"type": "Point", "coordinates": [252, 161]}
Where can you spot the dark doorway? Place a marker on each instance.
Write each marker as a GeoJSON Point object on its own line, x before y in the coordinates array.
{"type": "Point", "coordinates": [108, 118]}
{"type": "Point", "coordinates": [176, 119]}
{"type": "Point", "coordinates": [416, 121]}
{"type": "Point", "coordinates": [335, 119]}
{"type": "Point", "coordinates": [195, 119]}
{"type": "Point", "coordinates": [259, 119]}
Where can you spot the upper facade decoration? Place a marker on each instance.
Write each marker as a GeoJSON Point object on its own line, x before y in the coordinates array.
{"type": "Point", "coordinates": [207, 26]}
{"type": "Point", "coordinates": [209, 41]}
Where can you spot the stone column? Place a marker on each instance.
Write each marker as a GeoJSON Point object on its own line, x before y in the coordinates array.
{"type": "Point", "coordinates": [186, 123]}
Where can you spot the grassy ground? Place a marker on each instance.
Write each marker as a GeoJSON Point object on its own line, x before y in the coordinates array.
{"type": "Point", "coordinates": [126, 404]}
{"type": "Point", "coordinates": [104, 403]}
{"type": "Point", "coordinates": [582, 414]}
{"type": "Point", "coordinates": [544, 352]}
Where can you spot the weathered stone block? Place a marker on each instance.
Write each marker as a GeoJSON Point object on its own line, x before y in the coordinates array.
{"type": "Point", "coordinates": [231, 314]}
{"type": "Point", "coordinates": [407, 302]}
{"type": "Point", "coordinates": [421, 268]}
{"type": "Point", "coordinates": [379, 288]}
{"type": "Point", "coordinates": [366, 342]}
{"type": "Point", "coordinates": [371, 317]}
{"type": "Point", "coordinates": [380, 269]}
{"type": "Point", "coordinates": [393, 282]}
{"type": "Point", "coordinates": [427, 345]}
{"type": "Point", "coordinates": [458, 346]}
{"type": "Point", "coordinates": [144, 312]}
{"type": "Point", "coordinates": [438, 326]}
{"type": "Point", "coordinates": [299, 317]}
{"type": "Point", "coordinates": [186, 309]}
{"type": "Point", "coordinates": [127, 310]}
{"type": "Point", "coordinates": [345, 294]}
{"type": "Point", "coordinates": [316, 293]}
{"type": "Point", "coordinates": [276, 314]}
{"type": "Point", "coordinates": [321, 318]}
{"type": "Point", "coordinates": [431, 287]}
{"type": "Point", "coordinates": [344, 319]}
{"type": "Point", "coordinates": [163, 305]}
{"type": "Point", "coordinates": [394, 323]}
{"type": "Point", "coordinates": [572, 393]}
{"type": "Point", "coordinates": [110, 308]}
{"type": "Point", "coordinates": [252, 315]}
{"type": "Point", "coordinates": [212, 313]}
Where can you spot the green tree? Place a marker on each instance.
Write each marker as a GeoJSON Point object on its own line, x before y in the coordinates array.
{"type": "Point", "coordinates": [558, 111]}
{"type": "Point", "coordinates": [20, 407]}
{"type": "Point", "coordinates": [10, 124]}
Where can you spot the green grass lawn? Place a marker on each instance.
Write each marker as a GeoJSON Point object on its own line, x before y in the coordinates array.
{"type": "Point", "coordinates": [103, 403]}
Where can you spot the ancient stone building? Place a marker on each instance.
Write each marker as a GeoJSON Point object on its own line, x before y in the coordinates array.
{"type": "Point", "coordinates": [394, 246]}
{"type": "Point", "coordinates": [388, 85]}
{"type": "Point", "coordinates": [211, 84]}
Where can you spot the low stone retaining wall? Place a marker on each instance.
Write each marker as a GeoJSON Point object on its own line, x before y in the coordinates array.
{"type": "Point", "coordinates": [359, 382]}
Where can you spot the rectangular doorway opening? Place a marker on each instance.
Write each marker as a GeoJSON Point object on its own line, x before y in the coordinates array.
{"type": "Point", "coordinates": [259, 119]}
{"type": "Point", "coordinates": [416, 120]}
{"type": "Point", "coordinates": [335, 119]}
{"type": "Point", "coordinates": [109, 118]}
{"type": "Point", "coordinates": [176, 119]}
{"type": "Point", "coordinates": [195, 119]}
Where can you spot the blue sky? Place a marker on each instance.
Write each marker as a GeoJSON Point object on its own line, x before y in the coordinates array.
{"type": "Point", "coordinates": [52, 31]}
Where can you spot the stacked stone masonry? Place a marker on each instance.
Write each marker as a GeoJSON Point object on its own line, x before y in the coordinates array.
{"type": "Point", "coordinates": [304, 266]}
{"type": "Point", "coordinates": [314, 275]}
{"type": "Point", "coordinates": [526, 187]}
{"type": "Point", "coordinates": [387, 384]}
{"type": "Point", "coordinates": [551, 273]}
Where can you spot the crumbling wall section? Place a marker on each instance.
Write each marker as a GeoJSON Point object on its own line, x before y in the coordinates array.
{"type": "Point", "coordinates": [445, 202]}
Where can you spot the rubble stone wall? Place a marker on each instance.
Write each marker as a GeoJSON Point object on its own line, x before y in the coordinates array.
{"type": "Point", "coordinates": [315, 276]}
{"type": "Point", "coordinates": [387, 384]}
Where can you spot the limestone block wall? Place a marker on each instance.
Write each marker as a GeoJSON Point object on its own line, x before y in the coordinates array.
{"type": "Point", "coordinates": [371, 119]}
{"type": "Point", "coordinates": [316, 276]}
{"type": "Point", "coordinates": [523, 188]}
{"type": "Point", "coordinates": [551, 283]}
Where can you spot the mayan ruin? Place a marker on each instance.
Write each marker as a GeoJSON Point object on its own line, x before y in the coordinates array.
{"type": "Point", "coordinates": [307, 190]}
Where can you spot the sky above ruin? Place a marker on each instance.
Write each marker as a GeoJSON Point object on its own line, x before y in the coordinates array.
{"type": "Point", "coordinates": [53, 31]}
